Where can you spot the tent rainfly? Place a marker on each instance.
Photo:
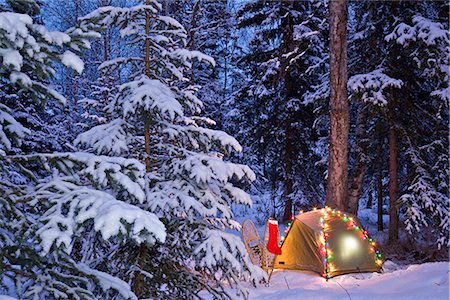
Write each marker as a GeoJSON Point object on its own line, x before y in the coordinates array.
{"type": "Point", "coordinates": [328, 242]}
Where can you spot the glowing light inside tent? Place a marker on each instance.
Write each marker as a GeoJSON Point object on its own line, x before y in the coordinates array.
{"type": "Point", "coordinates": [350, 246]}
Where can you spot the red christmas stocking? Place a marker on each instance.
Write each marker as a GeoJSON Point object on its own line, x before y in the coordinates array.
{"type": "Point", "coordinates": [272, 243]}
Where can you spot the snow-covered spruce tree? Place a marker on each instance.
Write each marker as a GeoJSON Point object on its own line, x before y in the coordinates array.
{"type": "Point", "coordinates": [186, 181]}
{"type": "Point", "coordinates": [285, 54]}
{"type": "Point", "coordinates": [85, 97]}
{"type": "Point", "coordinates": [388, 58]}
{"type": "Point", "coordinates": [370, 89]}
{"type": "Point", "coordinates": [210, 29]}
{"type": "Point", "coordinates": [424, 39]}
{"type": "Point", "coordinates": [46, 133]}
{"type": "Point", "coordinates": [46, 208]}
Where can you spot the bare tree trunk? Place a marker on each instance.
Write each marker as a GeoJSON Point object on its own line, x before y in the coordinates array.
{"type": "Point", "coordinates": [106, 43]}
{"type": "Point", "coordinates": [106, 37]}
{"type": "Point", "coordinates": [379, 179]}
{"type": "Point", "coordinates": [393, 181]}
{"type": "Point", "coordinates": [225, 66]}
{"type": "Point", "coordinates": [369, 200]}
{"type": "Point", "coordinates": [289, 132]}
{"type": "Point", "coordinates": [75, 77]}
{"type": "Point", "coordinates": [191, 43]}
{"type": "Point", "coordinates": [337, 182]}
{"type": "Point", "coordinates": [361, 162]}
{"type": "Point", "coordinates": [148, 73]}
{"type": "Point", "coordinates": [288, 185]}
{"type": "Point", "coordinates": [139, 282]}
{"type": "Point", "coordinates": [380, 201]}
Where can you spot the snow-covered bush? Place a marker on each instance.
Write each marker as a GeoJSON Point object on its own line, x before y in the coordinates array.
{"type": "Point", "coordinates": [372, 87]}
{"type": "Point", "coordinates": [426, 198]}
{"type": "Point", "coordinates": [40, 224]}
{"type": "Point", "coordinates": [155, 117]}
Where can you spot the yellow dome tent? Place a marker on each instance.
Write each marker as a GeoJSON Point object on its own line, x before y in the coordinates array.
{"type": "Point", "coordinates": [328, 242]}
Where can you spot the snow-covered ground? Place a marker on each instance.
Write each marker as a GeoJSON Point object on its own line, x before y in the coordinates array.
{"type": "Point", "coordinates": [429, 281]}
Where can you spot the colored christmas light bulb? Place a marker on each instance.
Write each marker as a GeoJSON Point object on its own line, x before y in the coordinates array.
{"type": "Point", "coordinates": [331, 267]}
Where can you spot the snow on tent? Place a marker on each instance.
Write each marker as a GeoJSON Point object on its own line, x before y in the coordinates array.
{"type": "Point", "coordinates": [328, 242]}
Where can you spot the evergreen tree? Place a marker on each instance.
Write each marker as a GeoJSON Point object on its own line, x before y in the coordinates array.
{"type": "Point", "coordinates": [40, 216]}
{"type": "Point", "coordinates": [423, 39]}
{"type": "Point", "coordinates": [186, 180]}
{"type": "Point", "coordinates": [388, 60]}
{"type": "Point", "coordinates": [282, 64]}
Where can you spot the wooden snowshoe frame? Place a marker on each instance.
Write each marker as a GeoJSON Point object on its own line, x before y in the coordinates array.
{"type": "Point", "coordinates": [252, 242]}
{"type": "Point", "coordinates": [256, 248]}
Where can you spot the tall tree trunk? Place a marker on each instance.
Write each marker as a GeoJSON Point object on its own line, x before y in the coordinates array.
{"type": "Point", "coordinates": [139, 282]}
{"type": "Point", "coordinates": [337, 182]}
{"type": "Point", "coordinates": [73, 77]}
{"type": "Point", "coordinates": [191, 43]}
{"type": "Point", "coordinates": [288, 185]}
{"type": "Point", "coordinates": [225, 65]}
{"type": "Point", "coordinates": [106, 42]}
{"type": "Point", "coordinates": [289, 132]}
{"type": "Point", "coordinates": [379, 178]}
{"type": "Point", "coordinates": [379, 183]}
{"type": "Point", "coordinates": [369, 201]}
{"type": "Point", "coordinates": [361, 161]}
{"type": "Point", "coordinates": [393, 180]}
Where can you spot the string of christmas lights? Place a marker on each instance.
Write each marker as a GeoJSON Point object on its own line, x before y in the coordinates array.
{"type": "Point", "coordinates": [325, 250]}
{"type": "Point", "coordinates": [352, 225]}
{"type": "Point", "coordinates": [288, 228]}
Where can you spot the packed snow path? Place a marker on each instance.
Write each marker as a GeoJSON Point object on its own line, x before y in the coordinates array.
{"type": "Point", "coordinates": [425, 281]}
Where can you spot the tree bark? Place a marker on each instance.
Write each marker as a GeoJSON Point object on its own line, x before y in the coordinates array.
{"type": "Point", "coordinates": [380, 201]}
{"type": "Point", "coordinates": [361, 162]}
{"type": "Point", "coordinates": [106, 42]}
{"type": "Point", "coordinates": [288, 185]}
{"type": "Point", "coordinates": [337, 181]}
{"type": "Point", "coordinates": [379, 178]}
{"type": "Point", "coordinates": [225, 65]}
{"type": "Point", "coordinates": [369, 200]}
{"type": "Point", "coordinates": [74, 76]}
{"type": "Point", "coordinates": [191, 43]}
{"type": "Point", "coordinates": [139, 282]}
{"type": "Point", "coordinates": [393, 182]}
{"type": "Point", "coordinates": [289, 90]}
